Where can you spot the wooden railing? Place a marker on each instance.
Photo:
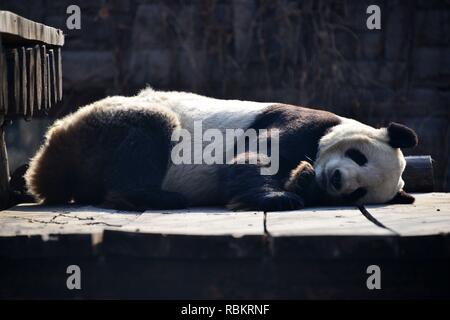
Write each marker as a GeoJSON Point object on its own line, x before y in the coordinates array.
{"type": "Point", "coordinates": [30, 77]}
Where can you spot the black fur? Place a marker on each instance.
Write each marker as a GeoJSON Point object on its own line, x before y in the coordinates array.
{"type": "Point", "coordinates": [133, 178]}
{"type": "Point", "coordinates": [401, 136]}
{"type": "Point", "coordinates": [17, 188]}
{"type": "Point", "coordinates": [300, 132]}
{"type": "Point", "coordinates": [114, 156]}
{"type": "Point", "coordinates": [246, 189]}
{"type": "Point", "coordinates": [402, 198]}
{"type": "Point", "coordinates": [357, 156]}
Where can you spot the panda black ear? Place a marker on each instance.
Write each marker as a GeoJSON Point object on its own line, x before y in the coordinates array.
{"type": "Point", "coordinates": [401, 136]}
{"type": "Point", "coordinates": [402, 198]}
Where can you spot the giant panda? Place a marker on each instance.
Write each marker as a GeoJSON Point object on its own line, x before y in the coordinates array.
{"type": "Point", "coordinates": [117, 153]}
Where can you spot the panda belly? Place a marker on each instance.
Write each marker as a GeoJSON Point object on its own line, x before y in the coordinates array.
{"type": "Point", "coordinates": [199, 183]}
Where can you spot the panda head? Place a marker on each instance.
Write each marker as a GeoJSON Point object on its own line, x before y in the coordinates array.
{"type": "Point", "coordinates": [363, 165]}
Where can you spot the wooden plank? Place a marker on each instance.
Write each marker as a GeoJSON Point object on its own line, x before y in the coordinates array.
{"type": "Point", "coordinates": [16, 26]}
{"type": "Point", "coordinates": [44, 87]}
{"type": "Point", "coordinates": [182, 246]}
{"type": "Point", "coordinates": [13, 81]}
{"type": "Point", "coordinates": [339, 221]}
{"type": "Point", "coordinates": [31, 80]}
{"type": "Point", "coordinates": [38, 77]}
{"type": "Point", "coordinates": [328, 233]}
{"type": "Point", "coordinates": [53, 86]}
{"type": "Point", "coordinates": [429, 215]}
{"type": "Point", "coordinates": [58, 62]}
{"type": "Point", "coordinates": [193, 233]}
{"type": "Point", "coordinates": [71, 246]}
{"type": "Point", "coordinates": [48, 80]}
{"type": "Point", "coordinates": [23, 106]}
{"type": "Point", "coordinates": [199, 221]}
{"type": "Point", "coordinates": [206, 233]}
{"type": "Point", "coordinates": [118, 277]}
{"type": "Point", "coordinates": [40, 220]}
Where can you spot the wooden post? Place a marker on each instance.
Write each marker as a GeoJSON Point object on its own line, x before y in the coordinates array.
{"type": "Point", "coordinates": [4, 168]}
{"type": "Point", "coordinates": [3, 106]}
{"type": "Point", "coordinates": [3, 83]}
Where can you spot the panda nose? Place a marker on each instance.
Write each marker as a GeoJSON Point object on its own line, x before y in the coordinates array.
{"type": "Point", "coordinates": [336, 179]}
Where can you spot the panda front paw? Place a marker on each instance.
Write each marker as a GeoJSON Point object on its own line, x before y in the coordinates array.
{"type": "Point", "coordinates": [268, 201]}
{"type": "Point", "coordinates": [301, 179]}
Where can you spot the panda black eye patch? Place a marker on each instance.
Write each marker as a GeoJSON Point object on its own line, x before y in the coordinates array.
{"type": "Point", "coordinates": [357, 156]}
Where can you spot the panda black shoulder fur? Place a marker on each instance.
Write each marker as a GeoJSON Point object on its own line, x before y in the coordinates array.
{"type": "Point", "coordinates": [116, 153]}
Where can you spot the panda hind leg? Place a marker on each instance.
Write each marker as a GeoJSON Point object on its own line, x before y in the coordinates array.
{"type": "Point", "coordinates": [134, 177]}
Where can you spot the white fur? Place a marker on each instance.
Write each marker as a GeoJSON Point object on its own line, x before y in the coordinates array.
{"type": "Point", "coordinates": [195, 181]}
{"type": "Point", "coordinates": [214, 113]}
{"type": "Point", "coordinates": [381, 176]}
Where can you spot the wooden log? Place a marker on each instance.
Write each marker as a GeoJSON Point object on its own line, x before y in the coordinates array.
{"type": "Point", "coordinates": [31, 76]}
{"type": "Point", "coordinates": [418, 175]}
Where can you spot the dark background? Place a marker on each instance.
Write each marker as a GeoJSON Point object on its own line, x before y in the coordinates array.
{"type": "Point", "coordinates": [314, 52]}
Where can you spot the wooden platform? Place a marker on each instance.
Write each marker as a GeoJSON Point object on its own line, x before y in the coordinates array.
{"type": "Point", "coordinates": [214, 253]}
